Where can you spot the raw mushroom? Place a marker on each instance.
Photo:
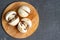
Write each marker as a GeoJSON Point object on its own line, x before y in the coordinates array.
{"type": "Point", "coordinates": [21, 27]}
{"type": "Point", "coordinates": [14, 22]}
{"type": "Point", "coordinates": [12, 18]}
{"type": "Point", "coordinates": [27, 21]}
{"type": "Point", "coordinates": [10, 15]}
{"type": "Point", "coordinates": [26, 8]}
{"type": "Point", "coordinates": [24, 11]}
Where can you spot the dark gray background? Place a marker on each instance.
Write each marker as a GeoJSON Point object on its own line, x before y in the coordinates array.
{"type": "Point", "coordinates": [49, 14]}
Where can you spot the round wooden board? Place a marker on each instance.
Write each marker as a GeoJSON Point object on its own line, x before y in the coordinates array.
{"type": "Point", "coordinates": [12, 31]}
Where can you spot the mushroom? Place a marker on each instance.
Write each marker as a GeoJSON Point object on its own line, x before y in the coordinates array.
{"type": "Point", "coordinates": [22, 26]}
{"type": "Point", "coordinates": [14, 22]}
{"type": "Point", "coordinates": [27, 21]}
{"type": "Point", "coordinates": [12, 18]}
{"type": "Point", "coordinates": [24, 11]}
{"type": "Point", "coordinates": [10, 15]}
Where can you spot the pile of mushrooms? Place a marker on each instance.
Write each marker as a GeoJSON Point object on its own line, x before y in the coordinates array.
{"type": "Point", "coordinates": [22, 24]}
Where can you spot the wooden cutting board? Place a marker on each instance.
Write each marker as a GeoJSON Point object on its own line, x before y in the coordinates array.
{"type": "Point", "coordinates": [12, 31]}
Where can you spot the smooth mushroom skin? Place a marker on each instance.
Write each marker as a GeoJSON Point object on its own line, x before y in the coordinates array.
{"type": "Point", "coordinates": [27, 21]}
{"type": "Point", "coordinates": [26, 8]}
{"type": "Point", "coordinates": [14, 22]}
{"type": "Point", "coordinates": [21, 27]}
{"type": "Point", "coordinates": [10, 15]}
{"type": "Point", "coordinates": [24, 11]}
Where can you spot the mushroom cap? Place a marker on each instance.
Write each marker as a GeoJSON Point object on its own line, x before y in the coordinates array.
{"type": "Point", "coordinates": [27, 21]}
{"type": "Point", "coordinates": [21, 27]}
{"type": "Point", "coordinates": [24, 11]}
{"type": "Point", "coordinates": [10, 15]}
{"type": "Point", "coordinates": [14, 22]}
{"type": "Point", "coordinates": [26, 8]}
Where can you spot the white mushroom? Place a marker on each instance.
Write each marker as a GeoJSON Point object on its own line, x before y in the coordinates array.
{"type": "Point", "coordinates": [10, 15]}
{"type": "Point", "coordinates": [14, 22]}
{"type": "Point", "coordinates": [27, 21]}
{"type": "Point", "coordinates": [24, 11]}
{"type": "Point", "coordinates": [26, 8]}
{"type": "Point", "coordinates": [21, 27]}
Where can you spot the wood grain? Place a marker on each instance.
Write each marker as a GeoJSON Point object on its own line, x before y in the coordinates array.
{"type": "Point", "coordinates": [12, 31]}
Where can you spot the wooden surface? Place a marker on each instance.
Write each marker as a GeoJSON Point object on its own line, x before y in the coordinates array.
{"type": "Point", "coordinates": [12, 31]}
